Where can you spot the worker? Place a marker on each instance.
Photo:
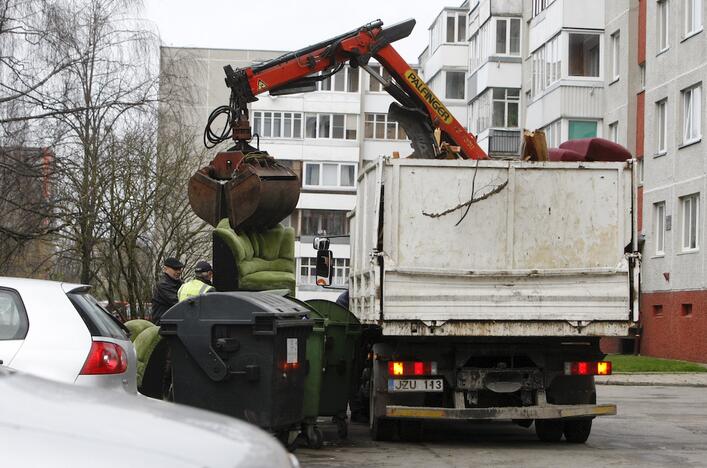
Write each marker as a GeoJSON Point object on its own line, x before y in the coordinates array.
{"type": "Point", "coordinates": [164, 295]}
{"type": "Point", "coordinates": [203, 276]}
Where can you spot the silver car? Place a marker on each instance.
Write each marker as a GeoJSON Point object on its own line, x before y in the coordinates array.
{"type": "Point", "coordinates": [59, 331]}
{"type": "Point", "coordinates": [48, 423]}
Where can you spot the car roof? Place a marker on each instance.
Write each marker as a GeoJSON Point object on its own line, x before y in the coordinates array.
{"type": "Point", "coordinates": [31, 283]}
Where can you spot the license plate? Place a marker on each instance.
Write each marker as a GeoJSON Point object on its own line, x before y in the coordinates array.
{"type": "Point", "coordinates": [415, 385]}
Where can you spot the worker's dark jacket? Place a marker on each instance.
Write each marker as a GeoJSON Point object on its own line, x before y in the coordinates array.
{"type": "Point", "coordinates": [164, 296]}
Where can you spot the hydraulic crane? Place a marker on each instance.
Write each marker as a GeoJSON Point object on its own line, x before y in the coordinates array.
{"type": "Point", "coordinates": [251, 188]}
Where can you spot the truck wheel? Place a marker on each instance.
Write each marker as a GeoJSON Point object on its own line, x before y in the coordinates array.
{"type": "Point", "coordinates": [577, 430]}
{"type": "Point", "coordinates": [382, 429]}
{"type": "Point", "coordinates": [549, 430]}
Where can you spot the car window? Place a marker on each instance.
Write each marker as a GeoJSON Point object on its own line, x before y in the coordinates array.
{"type": "Point", "coordinates": [13, 317]}
{"type": "Point", "coordinates": [97, 319]}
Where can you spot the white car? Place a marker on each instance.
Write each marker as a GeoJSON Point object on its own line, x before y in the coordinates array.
{"type": "Point", "coordinates": [59, 331]}
{"type": "Point", "coordinates": [47, 423]}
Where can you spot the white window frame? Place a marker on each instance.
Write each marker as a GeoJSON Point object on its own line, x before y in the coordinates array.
{"type": "Point", "coordinates": [614, 131]}
{"type": "Point", "coordinates": [686, 208]}
{"type": "Point", "coordinates": [374, 86]}
{"type": "Point", "coordinates": [553, 134]}
{"type": "Point", "coordinates": [333, 80]}
{"type": "Point", "coordinates": [539, 6]}
{"type": "Point", "coordinates": [693, 17]}
{"type": "Point", "coordinates": [507, 48]}
{"type": "Point", "coordinates": [662, 126]}
{"type": "Point", "coordinates": [663, 26]}
{"type": "Point", "coordinates": [692, 114]}
{"type": "Point", "coordinates": [479, 47]}
{"type": "Point", "coordinates": [659, 228]}
{"type": "Point", "coordinates": [310, 263]}
{"type": "Point", "coordinates": [599, 61]}
{"type": "Point", "coordinates": [615, 56]}
{"type": "Point", "coordinates": [639, 170]}
{"type": "Point", "coordinates": [546, 66]}
{"type": "Point", "coordinates": [320, 184]}
{"type": "Point", "coordinates": [342, 268]}
{"type": "Point", "coordinates": [375, 119]}
{"type": "Point", "coordinates": [688, 236]}
{"type": "Point", "coordinates": [506, 100]}
{"type": "Point", "coordinates": [331, 126]}
{"type": "Point", "coordinates": [259, 124]}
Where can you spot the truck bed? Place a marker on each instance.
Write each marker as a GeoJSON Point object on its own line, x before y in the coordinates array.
{"type": "Point", "coordinates": [545, 248]}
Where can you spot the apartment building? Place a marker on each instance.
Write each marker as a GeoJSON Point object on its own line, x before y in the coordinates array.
{"type": "Point", "coordinates": [495, 77]}
{"type": "Point", "coordinates": [324, 136]}
{"type": "Point", "coordinates": [674, 296]}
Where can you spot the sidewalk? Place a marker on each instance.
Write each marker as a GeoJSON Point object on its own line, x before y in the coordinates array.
{"type": "Point", "coordinates": [687, 379]}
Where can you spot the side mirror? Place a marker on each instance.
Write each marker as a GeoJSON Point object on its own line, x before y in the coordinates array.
{"type": "Point", "coordinates": [320, 243]}
{"type": "Point", "coordinates": [324, 270]}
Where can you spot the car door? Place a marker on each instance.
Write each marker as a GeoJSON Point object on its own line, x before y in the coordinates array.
{"type": "Point", "coordinates": [13, 325]}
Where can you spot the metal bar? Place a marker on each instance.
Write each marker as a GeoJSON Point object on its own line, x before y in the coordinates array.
{"type": "Point", "coordinates": [524, 412]}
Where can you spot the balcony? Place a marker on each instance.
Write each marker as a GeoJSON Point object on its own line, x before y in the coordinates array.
{"type": "Point", "coordinates": [504, 142]}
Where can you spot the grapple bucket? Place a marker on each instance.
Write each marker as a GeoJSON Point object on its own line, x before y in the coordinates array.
{"type": "Point", "coordinates": [252, 190]}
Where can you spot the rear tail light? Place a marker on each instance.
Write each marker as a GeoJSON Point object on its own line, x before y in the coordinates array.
{"type": "Point", "coordinates": [398, 368]}
{"type": "Point", "coordinates": [588, 368]}
{"type": "Point", "coordinates": [105, 358]}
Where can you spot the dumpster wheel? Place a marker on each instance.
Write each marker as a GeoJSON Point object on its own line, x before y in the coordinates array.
{"type": "Point", "coordinates": [314, 435]}
{"type": "Point", "coordinates": [342, 426]}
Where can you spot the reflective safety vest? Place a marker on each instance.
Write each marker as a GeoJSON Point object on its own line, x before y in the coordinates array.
{"type": "Point", "coordinates": [193, 288]}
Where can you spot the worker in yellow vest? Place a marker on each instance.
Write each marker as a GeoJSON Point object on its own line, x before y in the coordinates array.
{"type": "Point", "coordinates": [201, 284]}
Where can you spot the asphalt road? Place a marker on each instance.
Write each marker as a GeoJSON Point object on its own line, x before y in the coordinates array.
{"type": "Point", "coordinates": [655, 426]}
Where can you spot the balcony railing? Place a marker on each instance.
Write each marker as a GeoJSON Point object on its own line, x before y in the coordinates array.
{"type": "Point", "coordinates": [505, 142]}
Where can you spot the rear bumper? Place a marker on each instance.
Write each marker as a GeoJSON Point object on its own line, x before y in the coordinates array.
{"type": "Point", "coordinates": [524, 412]}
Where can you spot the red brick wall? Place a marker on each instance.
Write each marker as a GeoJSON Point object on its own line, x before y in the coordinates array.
{"type": "Point", "coordinates": [610, 345]}
{"type": "Point", "coordinates": [671, 333]}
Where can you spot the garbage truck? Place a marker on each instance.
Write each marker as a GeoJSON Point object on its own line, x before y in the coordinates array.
{"type": "Point", "coordinates": [483, 286]}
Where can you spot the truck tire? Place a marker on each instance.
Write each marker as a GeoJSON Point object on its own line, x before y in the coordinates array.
{"type": "Point", "coordinates": [549, 430]}
{"type": "Point", "coordinates": [577, 430]}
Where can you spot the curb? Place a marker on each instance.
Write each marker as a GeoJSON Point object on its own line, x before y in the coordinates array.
{"type": "Point", "coordinates": [651, 384]}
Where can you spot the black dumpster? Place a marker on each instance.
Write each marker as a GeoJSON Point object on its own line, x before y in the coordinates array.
{"type": "Point", "coordinates": [241, 354]}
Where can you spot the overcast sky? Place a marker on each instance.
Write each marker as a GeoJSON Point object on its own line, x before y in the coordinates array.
{"type": "Point", "coordinates": [285, 24]}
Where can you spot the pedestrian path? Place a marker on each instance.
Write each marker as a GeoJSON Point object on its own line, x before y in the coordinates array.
{"type": "Point", "coordinates": [676, 379]}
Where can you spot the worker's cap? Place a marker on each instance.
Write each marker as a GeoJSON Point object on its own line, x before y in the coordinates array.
{"type": "Point", "coordinates": [202, 267]}
{"type": "Point", "coordinates": [173, 263]}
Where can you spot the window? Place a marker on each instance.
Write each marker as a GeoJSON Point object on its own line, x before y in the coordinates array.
{"type": "Point", "coordinates": [320, 222]}
{"type": "Point", "coordinates": [373, 84]}
{"type": "Point", "coordinates": [97, 319]}
{"type": "Point", "coordinates": [277, 124]}
{"type": "Point", "coordinates": [693, 16]}
{"type": "Point", "coordinates": [505, 107]}
{"type": "Point", "coordinates": [615, 55]}
{"type": "Point", "coordinates": [540, 5]}
{"type": "Point", "coordinates": [662, 125]}
{"type": "Point", "coordinates": [13, 318]}
{"type": "Point", "coordinates": [659, 227]}
{"type": "Point", "coordinates": [686, 310]}
{"type": "Point", "coordinates": [692, 114]}
{"type": "Point", "coordinates": [336, 126]}
{"type": "Point", "coordinates": [582, 129]}
{"type": "Point", "coordinates": [553, 134]}
{"type": "Point", "coordinates": [479, 49]}
{"type": "Point", "coordinates": [449, 28]}
{"type": "Point", "coordinates": [378, 127]}
{"type": "Point", "coordinates": [690, 222]}
{"type": "Point", "coordinates": [508, 36]}
{"type": "Point", "coordinates": [329, 175]}
{"type": "Point", "coordinates": [614, 132]}
{"type": "Point", "coordinates": [345, 80]}
{"type": "Point", "coordinates": [662, 25]}
{"type": "Point", "coordinates": [584, 55]}
{"type": "Point", "coordinates": [546, 66]}
{"type": "Point", "coordinates": [308, 271]}
{"type": "Point", "coordinates": [658, 310]}
{"type": "Point", "coordinates": [480, 114]}
{"type": "Point", "coordinates": [639, 170]}
{"type": "Point", "coordinates": [454, 88]}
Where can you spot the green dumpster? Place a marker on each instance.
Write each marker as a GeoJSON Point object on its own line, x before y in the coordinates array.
{"type": "Point", "coordinates": [341, 342]}
{"type": "Point", "coordinates": [313, 381]}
